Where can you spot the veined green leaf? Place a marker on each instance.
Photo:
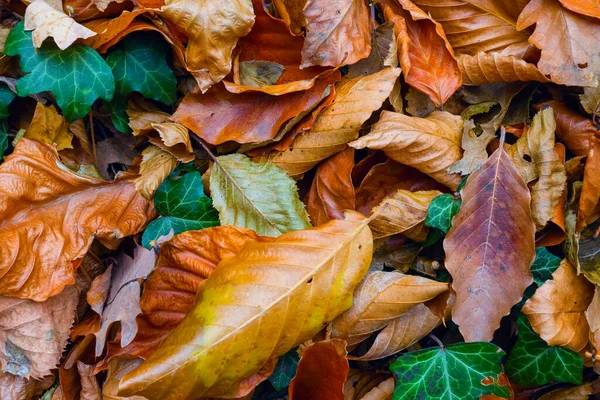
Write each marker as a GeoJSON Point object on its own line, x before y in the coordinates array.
{"type": "Point", "coordinates": [441, 210]}
{"type": "Point", "coordinates": [257, 196]}
{"type": "Point", "coordinates": [285, 370]}
{"type": "Point", "coordinates": [6, 97]}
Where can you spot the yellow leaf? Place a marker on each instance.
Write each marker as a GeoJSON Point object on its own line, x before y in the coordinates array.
{"type": "Point", "coordinates": [49, 127]}
{"type": "Point", "coordinates": [156, 165]}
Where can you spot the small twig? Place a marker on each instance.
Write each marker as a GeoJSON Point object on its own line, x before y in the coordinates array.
{"type": "Point", "coordinates": [93, 140]}
{"type": "Point", "coordinates": [204, 146]}
{"type": "Point", "coordinates": [435, 339]}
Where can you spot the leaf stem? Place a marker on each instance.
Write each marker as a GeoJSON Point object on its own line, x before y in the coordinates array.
{"type": "Point", "coordinates": [435, 339]}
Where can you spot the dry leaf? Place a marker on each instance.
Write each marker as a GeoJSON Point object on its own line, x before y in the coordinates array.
{"type": "Point", "coordinates": [156, 165]}
{"type": "Point", "coordinates": [554, 232]}
{"type": "Point", "coordinates": [117, 368]}
{"type": "Point", "coordinates": [90, 390]}
{"type": "Point", "coordinates": [383, 52]}
{"type": "Point", "coordinates": [338, 32]}
{"type": "Point", "coordinates": [13, 387]}
{"type": "Point", "coordinates": [33, 335]}
{"type": "Point", "coordinates": [321, 372]}
{"type": "Point", "coordinates": [483, 68]}
{"type": "Point", "coordinates": [581, 392]}
{"type": "Point", "coordinates": [213, 29]}
{"type": "Point", "coordinates": [589, 202]}
{"type": "Point", "coordinates": [368, 385]}
{"type": "Point", "coordinates": [255, 309]}
{"type": "Point", "coordinates": [490, 247]}
{"type": "Point", "coordinates": [45, 21]}
{"type": "Point", "coordinates": [49, 127]}
{"type": "Point", "coordinates": [291, 12]}
{"type": "Point", "coordinates": [42, 201]}
{"type": "Point", "coordinates": [556, 310]}
{"type": "Point", "coordinates": [475, 150]}
{"type": "Point", "coordinates": [592, 315]}
{"type": "Point", "coordinates": [403, 212]}
{"type": "Point", "coordinates": [380, 298]}
{"type": "Point", "coordinates": [174, 139]}
{"type": "Point", "coordinates": [332, 191]}
{"type": "Point", "coordinates": [404, 138]}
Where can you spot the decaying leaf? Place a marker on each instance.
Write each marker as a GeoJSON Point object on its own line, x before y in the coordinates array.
{"type": "Point", "coordinates": [49, 127]}
{"type": "Point", "coordinates": [589, 202]}
{"type": "Point", "coordinates": [285, 296]}
{"type": "Point", "coordinates": [483, 68]}
{"type": "Point", "coordinates": [156, 165]}
{"type": "Point", "coordinates": [475, 149]}
{"type": "Point", "coordinates": [491, 243]}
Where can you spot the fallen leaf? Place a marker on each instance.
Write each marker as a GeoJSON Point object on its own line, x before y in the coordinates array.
{"type": "Point", "coordinates": [259, 74]}
{"type": "Point", "coordinates": [383, 52]}
{"type": "Point", "coordinates": [491, 242]}
{"type": "Point", "coordinates": [90, 390]}
{"type": "Point", "coordinates": [556, 310]}
{"type": "Point", "coordinates": [122, 302]}
{"type": "Point", "coordinates": [13, 387]}
{"type": "Point", "coordinates": [380, 298]}
{"type": "Point", "coordinates": [332, 191]}
{"type": "Point", "coordinates": [425, 55]}
{"type": "Point", "coordinates": [356, 99]}
{"type": "Point", "coordinates": [565, 40]}
{"type": "Point", "coordinates": [402, 138]}
{"type": "Point", "coordinates": [592, 315]}
{"type": "Point", "coordinates": [368, 385]}
{"type": "Point", "coordinates": [585, 7]}
{"type": "Point", "coordinates": [581, 392]}
{"type": "Point", "coordinates": [117, 368]}
{"type": "Point", "coordinates": [589, 202]}
{"type": "Point", "coordinates": [256, 196]}
{"type": "Point", "coordinates": [45, 21]}
{"type": "Point", "coordinates": [64, 212]}
{"type": "Point", "coordinates": [483, 68]}
{"type": "Point", "coordinates": [337, 33]}
{"type": "Point", "coordinates": [590, 99]}
{"type": "Point", "coordinates": [475, 149]}
{"type": "Point", "coordinates": [114, 150]}
{"type": "Point", "coordinates": [49, 127]}
{"type": "Point", "coordinates": [155, 166]}
{"type": "Point", "coordinates": [291, 12]}
{"type": "Point", "coordinates": [34, 334]}
{"type": "Point", "coordinates": [108, 28]}
{"type": "Point", "coordinates": [173, 138]}
{"type": "Point", "coordinates": [554, 232]}
{"type": "Point", "coordinates": [213, 29]}
{"type": "Point", "coordinates": [336, 265]}
{"type": "Point", "coordinates": [403, 212]}
{"type": "Point", "coordinates": [321, 372]}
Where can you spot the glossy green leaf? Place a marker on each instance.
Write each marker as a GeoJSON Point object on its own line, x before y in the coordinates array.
{"type": "Point", "coordinates": [118, 109]}
{"type": "Point", "coordinates": [285, 370]}
{"type": "Point", "coordinates": [544, 265]}
{"type": "Point", "coordinates": [6, 96]}
{"type": "Point", "coordinates": [441, 210]}
{"type": "Point", "coordinates": [450, 373]}
{"type": "Point", "coordinates": [183, 206]}
{"type": "Point", "coordinates": [533, 362]}
{"type": "Point", "coordinates": [77, 76]}
{"type": "Point", "coordinates": [256, 196]}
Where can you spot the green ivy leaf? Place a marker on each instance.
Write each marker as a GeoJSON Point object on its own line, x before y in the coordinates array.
{"type": "Point", "coordinates": [3, 137]}
{"type": "Point", "coordinates": [77, 76]}
{"type": "Point", "coordinates": [544, 265]}
{"type": "Point", "coordinates": [118, 109]}
{"type": "Point", "coordinates": [6, 97]}
{"type": "Point", "coordinates": [441, 210]}
{"type": "Point", "coordinates": [533, 362]}
{"type": "Point", "coordinates": [141, 66]}
{"type": "Point", "coordinates": [285, 370]}
{"type": "Point", "coordinates": [256, 196]}
{"type": "Point", "coordinates": [452, 372]}
{"type": "Point", "coordinates": [183, 207]}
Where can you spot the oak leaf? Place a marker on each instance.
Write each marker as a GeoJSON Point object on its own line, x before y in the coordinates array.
{"type": "Point", "coordinates": [34, 334]}
{"type": "Point", "coordinates": [90, 389]}
{"type": "Point", "coordinates": [337, 32]}
{"type": "Point", "coordinates": [566, 40]}
{"type": "Point", "coordinates": [356, 99]}
{"type": "Point", "coordinates": [425, 55]}
{"type": "Point", "coordinates": [380, 298]}
{"type": "Point", "coordinates": [249, 304]}
{"type": "Point", "coordinates": [213, 29]}
{"type": "Point", "coordinates": [45, 21]}
{"type": "Point", "coordinates": [491, 242]}
{"type": "Point", "coordinates": [321, 372]}
{"type": "Point", "coordinates": [42, 199]}
{"type": "Point", "coordinates": [589, 202]}
{"type": "Point", "coordinates": [49, 127]}
{"type": "Point", "coordinates": [403, 138]}
{"type": "Point", "coordinates": [557, 309]}
{"type": "Point", "coordinates": [483, 68]}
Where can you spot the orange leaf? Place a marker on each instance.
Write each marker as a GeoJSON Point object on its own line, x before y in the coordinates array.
{"type": "Point", "coordinates": [490, 247]}
{"type": "Point", "coordinates": [426, 57]}
{"type": "Point", "coordinates": [589, 202]}
{"type": "Point", "coordinates": [322, 371]}
{"type": "Point", "coordinates": [586, 7]}
{"type": "Point", "coordinates": [332, 191]}
{"type": "Point", "coordinates": [483, 68]}
{"type": "Point", "coordinates": [42, 201]}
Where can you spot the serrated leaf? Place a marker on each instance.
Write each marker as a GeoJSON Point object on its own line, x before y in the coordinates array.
{"type": "Point", "coordinates": [452, 372]}
{"type": "Point", "coordinates": [183, 206]}
{"type": "Point", "coordinates": [533, 362]}
{"type": "Point", "coordinates": [441, 210]}
{"type": "Point", "coordinates": [285, 370]}
{"type": "Point", "coordinates": [76, 76]}
{"type": "Point", "coordinates": [261, 197]}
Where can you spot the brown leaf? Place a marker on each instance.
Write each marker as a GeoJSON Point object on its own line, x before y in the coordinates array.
{"type": "Point", "coordinates": [356, 99]}
{"type": "Point", "coordinates": [332, 191]}
{"type": "Point", "coordinates": [174, 139]}
{"type": "Point", "coordinates": [114, 150]}
{"type": "Point", "coordinates": [426, 57]}
{"type": "Point", "coordinates": [122, 303]}
{"type": "Point", "coordinates": [589, 202]}
{"type": "Point", "coordinates": [45, 21]}
{"type": "Point", "coordinates": [566, 40]}
{"type": "Point", "coordinates": [291, 12]}
{"type": "Point", "coordinates": [383, 52]}
{"type": "Point", "coordinates": [403, 212]}
{"type": "Point", "coordinates": [475, 149]}
{"type": "Point", "coordinates": [590, 99]}
{"type": "Point", "coordinates": [573, 129]}
{"type": "Point", "coordinates": [368, 385]}
{"type": "Point", "coordinates": [90, 389]}
{"type": "Point", "coordinates": [483, 68]}
{"type": "Point", "coordinates": [403, 139]}
{"type": "Point", "coordinates": [49, 127]}
{"type": "Point", "coordinates": [13, 387]}
{"type": "Point", "coordinates": [556, 310]}
{"type": "Point", "coordinates": [380, 298]}
{"type": "Point", "coordinates": [480, 25]}
{"type": "Point", "coordinates": [42, 201]}
{"type": "Point", "coordinates": [156, 165]}
{"type": "Point", "coordinates": [490, 247]}
{"type": "Point", "coordinates": [117, 368]}
{"type": "Point", "coordinates": [337, 32]}
{"type": "Point", "coordinates": [213, 29]}
{"type": "Point", "coordinates": [33, 335]}
{"type": "Point", "coordinates": [545, 167]}
{"type": "Point", "coordinates": [218, 116]}
{"type": "Point", "coordinates": [554, 232]}
{"type": "Point", "coordinates": [312, 272]}
{"type": "Point", "coordinates": [581, 392]}
{"type": "Point", "coordinates": [592, 315]}
{"type": "Point", "coordinates": [321, 372]}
